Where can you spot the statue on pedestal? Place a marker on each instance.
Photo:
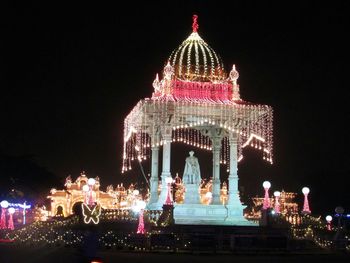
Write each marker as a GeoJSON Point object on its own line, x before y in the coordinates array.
{"type": "Point", "coordinates": [192, 174]}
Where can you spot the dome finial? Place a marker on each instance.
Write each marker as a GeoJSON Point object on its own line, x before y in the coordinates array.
{"type": "Point", "coordinates": [195, 23]}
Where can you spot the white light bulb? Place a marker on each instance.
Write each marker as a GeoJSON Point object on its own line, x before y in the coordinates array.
{"type": "Point", "coordinates": [169, 180]}
{"type": "Point", "coordinates": [4, 204]}
{"type": "Point", "coordinates": [91, 181]}
{"type": "Point", "coordinates": [266, 184]}
{"type": "Point", "coordinates": [141, 204]}
{"type": "Point", "coordinates": [277, 193]}
{"type": "Point", "coordinates": [85, 188]}
{"type": "Point", "coordinates": [209, 195]}
{"type": "Point", "coordinates": [305, 190]}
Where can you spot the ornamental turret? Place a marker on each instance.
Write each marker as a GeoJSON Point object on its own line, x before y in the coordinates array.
{"type": "Point", "coordinates": [233, 77]}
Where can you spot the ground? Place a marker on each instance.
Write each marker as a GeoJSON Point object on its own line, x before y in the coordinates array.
{"type": "Point", "coordinates": [12, 253]}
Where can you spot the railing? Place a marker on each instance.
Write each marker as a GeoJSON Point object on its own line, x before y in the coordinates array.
{"type": "Point", "coordinates": [126, 215]}
{"type": "Point", "coordinates": [152, 216]}
{"type": "Point", "coordinates": [118, 215]}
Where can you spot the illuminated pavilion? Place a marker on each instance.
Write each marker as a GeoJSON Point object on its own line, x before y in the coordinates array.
{"type": "Point", "coordinates": [196, 102]}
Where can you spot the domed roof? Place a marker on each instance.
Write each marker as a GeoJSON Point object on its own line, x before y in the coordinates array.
{"type": "Point", "coordinates": [195, 60]}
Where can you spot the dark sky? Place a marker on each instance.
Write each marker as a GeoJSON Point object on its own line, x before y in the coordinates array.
{"type": "Point", "coordinates": [70, 73]}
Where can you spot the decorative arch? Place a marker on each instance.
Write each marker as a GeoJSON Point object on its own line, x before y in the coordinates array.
{"type": "Point", "coordinates": [74, 201]}
{"type": "Point", "coordinates": [64, 209]}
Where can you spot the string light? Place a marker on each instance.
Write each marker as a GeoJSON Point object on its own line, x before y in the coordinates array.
{"type": "Point", "coordinates": [63, 233]}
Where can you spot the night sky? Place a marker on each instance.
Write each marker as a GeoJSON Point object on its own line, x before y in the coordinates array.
{"type": "Point", "coordinates": [70, 73]}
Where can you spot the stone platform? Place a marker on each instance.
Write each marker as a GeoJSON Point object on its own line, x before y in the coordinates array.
{"type": "Point", "coordinates": [199, 214]}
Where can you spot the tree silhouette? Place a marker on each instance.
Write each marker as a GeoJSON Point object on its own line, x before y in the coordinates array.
{"type": "Point", "coordinates": [22, 179]}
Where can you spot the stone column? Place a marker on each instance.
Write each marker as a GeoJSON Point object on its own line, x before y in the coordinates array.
{"type": "Point", "coordinates": [154, 178]}
{"type": "Point", "coordinates": [234, 206]}
{"type": "Point", "coordinates": [216, 140]}
{"type": "Point", "coordinates": [233, 196]}
{"type": "Point", "coordinates": [166, 134]}
{"type": "Point", "coordinates": [166, 156]}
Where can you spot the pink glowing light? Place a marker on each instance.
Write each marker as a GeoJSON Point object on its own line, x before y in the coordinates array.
{"type": "Point", "coordinates": [277, 194]}
{"type": "Point", "coordinates": [4, 206]}
{"type": "Point", "coordinates": [266, 203]}
{"type": "Point", "coordinates": [202, 91]}
{"type": "Point", "coordinates": [306, 207]}
{"type": "Point", "coordinates": [329, 222]}
{"type": "Point", "coordinates": [91, 183]}
{"type": "Point", "coordinates": [169, 200]}
{"type": "Point", "coordinates": [141, 226]}
{"type": "Point", "coordinates": [195, 23]}
{"type": "Point", "coordinates": [86, 193]}
{"type": "Point", "coordinates": [10, 222]}
{"type": "Point", "coordinates": [3, 218]}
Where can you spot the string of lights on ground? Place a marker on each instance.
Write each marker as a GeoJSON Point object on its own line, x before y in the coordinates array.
{"type": "Point", "coordinates": [68, 232]}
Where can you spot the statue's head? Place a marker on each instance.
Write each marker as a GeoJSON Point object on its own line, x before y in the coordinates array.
{"type": "Point", "coordinates": [191, 153]}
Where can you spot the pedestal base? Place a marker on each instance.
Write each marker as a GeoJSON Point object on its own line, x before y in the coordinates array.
{"type": "Point", "coordinates": [198, 214]}
{"type": "Point", "coordinates": [192, 194]}
{"type": "Point", "coordinates": [153, 206]}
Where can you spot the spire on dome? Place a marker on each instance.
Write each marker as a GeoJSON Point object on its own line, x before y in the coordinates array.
{"type": "Point", "coordinates": [195, 60]}
{"type": "Point", "coordinates": [195, 24]}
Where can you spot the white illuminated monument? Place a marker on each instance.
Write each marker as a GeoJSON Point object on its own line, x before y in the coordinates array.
{"type": "Point", "coordinates": [197, 103]}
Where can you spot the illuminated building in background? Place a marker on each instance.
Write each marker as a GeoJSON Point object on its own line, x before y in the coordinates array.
{"type": "Point", "coordinates": [63, 202]}
{"type": "Point", "coordinates": [287, 207]}
{"type": "Point", "coordinates": [198, 103]}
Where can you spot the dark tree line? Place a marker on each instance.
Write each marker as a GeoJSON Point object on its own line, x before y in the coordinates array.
{"type": "Point", "coordinates": [23, 179]}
